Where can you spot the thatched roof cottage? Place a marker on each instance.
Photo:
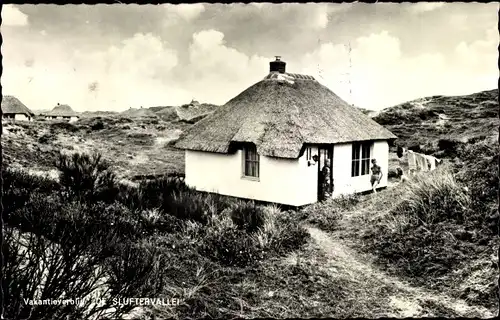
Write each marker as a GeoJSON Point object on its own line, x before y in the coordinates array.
{"type": "Point", "coordinates": [13, 109]}
{"type": "Point", "coordinates": [62, 112]}
{"type": "Point", "coordinates": [271, 141]}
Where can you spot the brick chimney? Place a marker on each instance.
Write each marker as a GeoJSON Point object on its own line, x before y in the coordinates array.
{"type": "Point", "coordinates": [277, 65]}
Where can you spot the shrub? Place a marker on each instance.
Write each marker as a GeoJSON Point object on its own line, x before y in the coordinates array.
{"type": "Point", "coordinates": [292, 237]}
{"type": "Point", "coordinates": [449, 146]}
{"type": "Point", "coordinates": [63, 126]}
{"type": "Point", "coordinates": [135, 271]}
{"type": "Point", "coordinates": [97, 126]}
{"type": "Point", "coordinates": [392, 173]}
{"type": "Point", "coordinates": [139, 138]}
{"type": "Point", "coordinates": [247, 216]}
{"type": "Point", "coordinates": [18, 186]}
{"type": "Point", "coordinates": [154, 192]}
{"type": "Point", "coordinates": [46, 138]}
{"type": "Point", "coordinates": [231, 247]}
{"type": "Point", "coordinates": [187, 206]}
{"type": "Point", "coordinates": [36, 268]}
{"type": "Point", "coordinates": [87, 177]}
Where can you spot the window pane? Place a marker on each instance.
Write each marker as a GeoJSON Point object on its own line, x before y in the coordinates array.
{"type": "Point", "coordinates": [365, 168]}
{"type": "Point", "coordinates": [355, 151]}
{"type": "Point", "coordinates": [355, 168]}
{"type": "Point", "coordinates": [366, 150]}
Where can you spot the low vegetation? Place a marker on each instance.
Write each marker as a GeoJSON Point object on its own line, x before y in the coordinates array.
{"type": "Point", "coordinates": [156, 239]}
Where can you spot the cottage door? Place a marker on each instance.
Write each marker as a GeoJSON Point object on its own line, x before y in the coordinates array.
{"type": "Point", "coordinates": [325, 186]}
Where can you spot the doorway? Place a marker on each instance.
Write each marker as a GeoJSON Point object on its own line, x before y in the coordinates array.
{"type": "Point", "coordinates": [325, 153]}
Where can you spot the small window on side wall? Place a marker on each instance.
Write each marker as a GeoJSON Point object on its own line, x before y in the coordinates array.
{"type": "Point", "coordinates": [360, 163]}
{"type": "Point", "coordinates": [251, 162]}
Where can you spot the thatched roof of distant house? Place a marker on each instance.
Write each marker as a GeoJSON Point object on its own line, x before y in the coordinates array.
{"type": "Point", "coordinates": [12, 105]}
{"type": "Point", "coordinates": [279, 115]}
{"type": "Point", "coordinates": [62, 110]}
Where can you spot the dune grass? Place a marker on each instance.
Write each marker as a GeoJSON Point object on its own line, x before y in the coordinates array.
{"type": "Point", "coordinates": [430, 232]}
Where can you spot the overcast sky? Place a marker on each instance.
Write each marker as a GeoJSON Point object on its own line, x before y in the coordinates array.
{"type": "Point", "coordinates": [112, 57]}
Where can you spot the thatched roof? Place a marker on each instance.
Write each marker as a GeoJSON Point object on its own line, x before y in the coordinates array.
{"type": "Point", "coordinates": [12, 105]}
{"type": "Point", "coordinates": [62, 110]}
{"type": "Point", "coordinates": [279, 115]}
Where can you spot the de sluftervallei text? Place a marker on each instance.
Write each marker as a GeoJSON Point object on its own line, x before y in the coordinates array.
{"type": "Point", "coordinates": [115, 301]}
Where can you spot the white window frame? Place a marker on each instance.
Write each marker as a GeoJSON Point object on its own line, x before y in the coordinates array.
{"type": "Point", "coordinates": [360, 160]}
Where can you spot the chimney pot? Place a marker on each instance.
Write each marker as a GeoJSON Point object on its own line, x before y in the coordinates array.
{"type": "Point", "coordinates": [278, 65]}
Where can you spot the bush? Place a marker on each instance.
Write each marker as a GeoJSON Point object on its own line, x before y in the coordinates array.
{"type": "Point", "coordinates": [18, 186]}
{"type": "Point", "coordinates": [142, 139]}
{"type": "Point", "coordinates": [173, 197]}
{"type": "Point", "coordinates": [36, 268]}
{"type": "Point", "coordinates": [63, 126]}
{"type": "Point", "coordinates": [135, 270]}
{"type": "Point", "coordinates": [87, 177]}
{"type": "Point", "coordinates": [450, 147]}
{"type": "Point", "coordinates": [46, 138]}
{"type": "Point", "coordinates": [292, 237]}
{"type": "Point", "coordinates": [247, 216]}
{"type": "Point", "coordinates": [154, 192]}
{"type": "Point", "coordinates": [187, 206]}
{"type": "Point", "coordinates": [97, 126]}
{"type": "Point", "coordinates": [231, 247]}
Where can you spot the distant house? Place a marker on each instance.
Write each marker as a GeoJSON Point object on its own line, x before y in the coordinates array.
{"type": "Point", "coordinates": [62, 112]}
{"type": "Point", "coordinates": [13, 109]}
{"type": "Point", "coordinates": [271, 141]}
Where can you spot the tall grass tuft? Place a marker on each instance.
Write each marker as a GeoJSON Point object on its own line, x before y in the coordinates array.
{"type": "Point", "coordinates": [435, 197]}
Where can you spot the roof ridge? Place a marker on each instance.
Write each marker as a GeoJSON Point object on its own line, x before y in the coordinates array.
{"type": "Point", "coordinates": [274, 75]}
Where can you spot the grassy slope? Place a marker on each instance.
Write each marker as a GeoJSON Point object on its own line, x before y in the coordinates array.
{"type": "Point", "coordinates": [134, 147]}
{"type": "Point", "coordinates": [464, 118]}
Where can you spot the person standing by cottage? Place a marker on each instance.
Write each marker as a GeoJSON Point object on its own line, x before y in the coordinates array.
{"type": "Point", "coordinates": [326, 181]}
{"type": "Point", "coordinates": [376, 175]}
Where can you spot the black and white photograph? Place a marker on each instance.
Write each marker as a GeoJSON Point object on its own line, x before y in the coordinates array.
{"type": "Point", "coordinates": [249, 160]}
